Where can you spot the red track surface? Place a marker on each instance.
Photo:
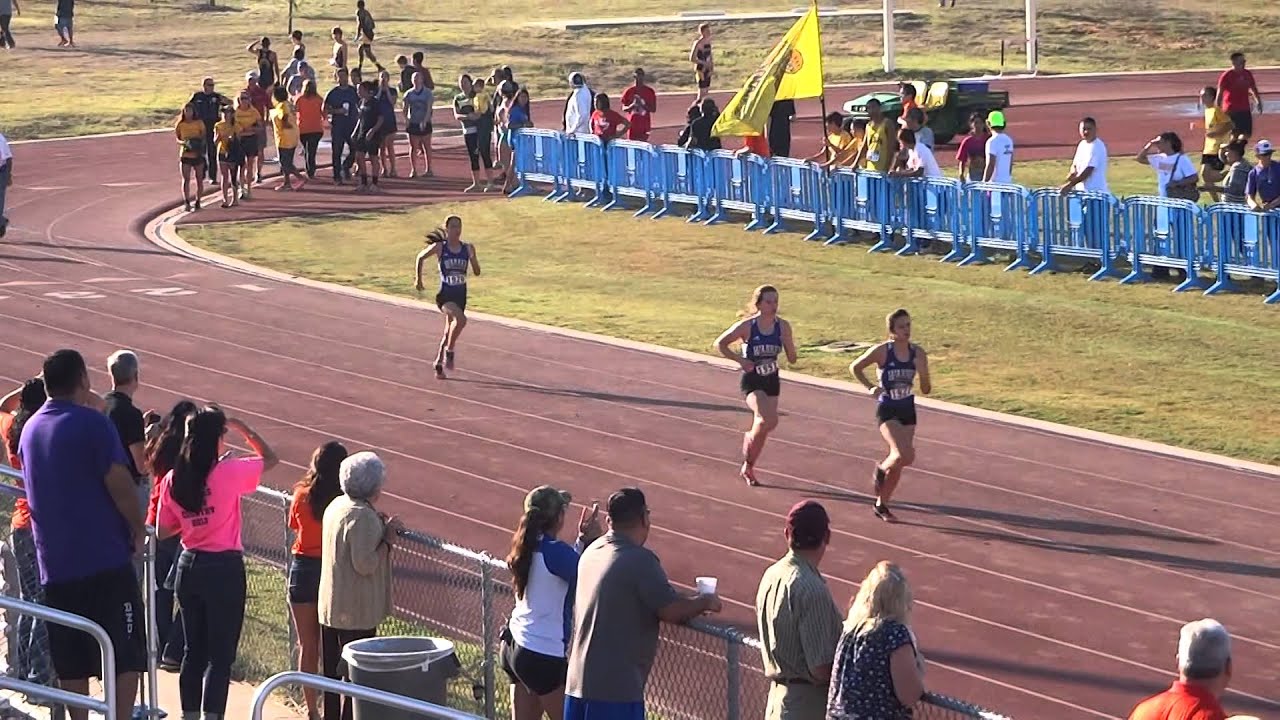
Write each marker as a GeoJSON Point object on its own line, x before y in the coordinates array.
{"type": "Point", "coordinates": [1051, 572]}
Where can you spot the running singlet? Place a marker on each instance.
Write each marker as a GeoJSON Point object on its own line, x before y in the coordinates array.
{"type": "Point", "coordinates": [453, 266]}
{"type": "Point", "coordinates": [898, 377]}
{"type": "Point", "coordinates": [266, 71]}
{"type": "Point", "coordinates": [762, 349]}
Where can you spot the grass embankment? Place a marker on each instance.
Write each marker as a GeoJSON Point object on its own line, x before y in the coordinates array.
{"type": "Point", "coordinates": [138, 61]}
{"type": "Point", "coordinates": [1136, 360]}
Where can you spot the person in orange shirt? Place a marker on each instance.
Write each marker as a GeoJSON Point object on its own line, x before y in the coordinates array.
{"type": "Point", "coordinates": [909, 100]}
{"type": "Point", "coordinates": [1204, 671]}
{"type": "Point", "coordinates": [755, 145]}
{"type": "Point", "coordinates": [311, 496]}
{"type": "Point", "coordinates": [310, 107]}
{"type": "Point", "coordinates": [32, 661]}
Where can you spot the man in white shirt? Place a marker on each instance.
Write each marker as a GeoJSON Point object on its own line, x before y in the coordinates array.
{"type": "Point", "coordinates": [999, 151]}
{"type": "Point", "coordinates": [6, 179]}
{"type": "Point", "coordinates": [920, 159]}
{"type": "Point", "coordinates": [1089, 167]}
{"type": "Point", "coordinates": [577, 108]}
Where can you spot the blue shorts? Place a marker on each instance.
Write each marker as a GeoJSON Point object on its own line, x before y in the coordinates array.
{"type": "Point", "coordinates": [579, 709]}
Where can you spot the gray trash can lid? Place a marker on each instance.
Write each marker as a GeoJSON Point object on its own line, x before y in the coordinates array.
{"type": "Point", "coordinates": [389, 654]}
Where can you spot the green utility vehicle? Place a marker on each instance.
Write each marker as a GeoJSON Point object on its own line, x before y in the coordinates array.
{"type": "Point", "coordinates": [948, 105]}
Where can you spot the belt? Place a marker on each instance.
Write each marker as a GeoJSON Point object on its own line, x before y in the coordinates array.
{"type": "Point", "coordinates": [791, 681]}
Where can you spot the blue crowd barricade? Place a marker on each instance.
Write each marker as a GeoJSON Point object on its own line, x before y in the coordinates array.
{"type": "Point", "coordinates": [1166, 233]}
{"type": "Point", "coordinates": [686, 180]}
{"type": "Point", "coordinates": [860, 201]}
{"type": "Point", "coordinates": [933, 213]}
{"type": "Point", "coordinates": [999, 218]}
{"type": "Point", "coordinates": [797, 191]}
{"type": "Point", "coordinates": [1076, 225]}
{"type": "Point", "coordinates": [584, 167]}
{"type": "Point", "coordinates": [738, 183]}
{"type": "Point", "coordinates": [538, 157]}
{"type": "Point", "coordinates": [1248, 246]}
{"type": "Point", "coordinates": [633, 171]}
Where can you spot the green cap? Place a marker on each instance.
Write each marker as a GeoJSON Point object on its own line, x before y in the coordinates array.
{"type": "Point", "coordinates": [995, 119]}
{"type": "Point", "coordinates": [547, 500]}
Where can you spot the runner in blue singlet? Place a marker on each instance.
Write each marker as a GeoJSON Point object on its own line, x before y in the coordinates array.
{"type": "Point", "coordinates": [764, 336]}
{"type": "Point", "coordinates": [899, 362]}
{"type": "Point", "coordinates": [454, 259]}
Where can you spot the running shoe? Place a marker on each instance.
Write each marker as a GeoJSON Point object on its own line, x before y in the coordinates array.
{"type": "Point", "coordinates": [882, 512]}
{"type": "Point", "coordinates": [439, 371]}
{"type": "Point", "coordinates": [748, 473]}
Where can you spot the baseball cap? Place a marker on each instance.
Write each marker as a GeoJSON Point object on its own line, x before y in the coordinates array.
{"type": "Point", "coordinates": [995, 119]}
{"type": "Point", "coordinates": [808, 524]}
{"type": "Point", "coordinates": [1263, 147]}
{"type": "Point", "coordinates": [546, 500]}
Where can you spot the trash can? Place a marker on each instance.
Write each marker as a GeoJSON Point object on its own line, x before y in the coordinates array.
{"type": "Point", "coordinates": [415, 667]}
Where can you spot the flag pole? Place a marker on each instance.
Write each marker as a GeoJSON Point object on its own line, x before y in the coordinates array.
{"type": "Point", "coordinates": [822, 99]}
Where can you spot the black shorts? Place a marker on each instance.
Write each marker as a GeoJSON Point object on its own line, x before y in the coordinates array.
{"type": "Point", "coordinates": [771, 385]}
{"type": "Point", "coordinates": [361, 143]}
{"type": "Point", "coordinates": [1213, 162]}
{"type": "Point", "coordinates": [1243, 122]}
{"type": "Point", "coordinates": [456, 294]}
{"type": "Point", "coordinates": [304, 579]}
{"type": "Point", "coordinates": [249, 145]}
{"type": "Point", "coordinates": [539, 674]}
{"type": "Point", "coordinates": [418, 130]}
{"type": "Point", "coordinates": [113, 600]}
{"type": "Point", "coordinates": [193, 162]}
{"type": "Point", "coordinates": [904, 414]}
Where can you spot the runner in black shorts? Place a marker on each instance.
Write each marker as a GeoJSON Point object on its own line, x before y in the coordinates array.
{"type": "Point", "coordinates": [367, 138]}
{"type": "Point", "coordinates": [899, 362]}
{"type": "Point", "coordinates": [764, 336]}
{"type": "Point", "coordinates": [455, 257]}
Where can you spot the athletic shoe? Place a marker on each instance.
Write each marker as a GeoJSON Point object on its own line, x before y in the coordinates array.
{"type": "Point", "coordinates": [748, 473]}
{"type": "Point", "coordinates": [439, 371]}
{"type": "Point", "coordinates": [882, 512]}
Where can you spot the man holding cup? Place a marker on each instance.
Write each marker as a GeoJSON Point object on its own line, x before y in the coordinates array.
{"type": "Point", "coordinates": [340, 105]}
{"type": "Point", "coordinates": [622, 596]}
{"type": "Point", "coordinates": [798, 621]}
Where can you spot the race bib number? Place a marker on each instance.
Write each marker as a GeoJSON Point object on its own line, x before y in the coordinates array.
{"type": "Point", "coordinates": [899, 393]}
{"type": "Point", "coordinates": [768, 367]}
{"type": "Point", "coordinates": [873, 156]}
{"type": "Point", "coordinates": [455, 280]}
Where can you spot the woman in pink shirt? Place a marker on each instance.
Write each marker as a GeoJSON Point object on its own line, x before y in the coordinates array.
{"type": "Point", "coordinates": [200, 500]}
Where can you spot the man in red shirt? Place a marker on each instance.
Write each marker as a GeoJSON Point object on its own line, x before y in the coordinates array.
{"type": "Point", "coordinates": [1234, 89]}
{"type": "Point", "coordinates": [640, 102]}
{"type": "Point", "coordinates": [1204, 671]}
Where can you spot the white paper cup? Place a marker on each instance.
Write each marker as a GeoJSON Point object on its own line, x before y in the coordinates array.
{"type": "Point", "coordinates": [706, 585]}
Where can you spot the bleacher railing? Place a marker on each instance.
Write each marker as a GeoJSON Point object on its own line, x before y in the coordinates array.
{"type": "Point", "coordinates": [703, 670]}
{"type": "Point", "coordinates": [1033, 230]}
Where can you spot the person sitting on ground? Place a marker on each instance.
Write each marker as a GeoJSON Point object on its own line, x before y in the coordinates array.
{"type": "Point", "coordinates": [1204, 672]}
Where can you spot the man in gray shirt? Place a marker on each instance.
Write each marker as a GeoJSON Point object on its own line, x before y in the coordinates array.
{"type": "Point", "coordinates": [622, 595]}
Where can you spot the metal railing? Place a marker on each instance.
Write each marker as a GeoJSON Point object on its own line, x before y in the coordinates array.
{"type": "Point", "coordinates": [105, 707]}
{"type": "Point", "coordinates": [444, 589]}
{"type": "Point", "coordinates": [380, 697]}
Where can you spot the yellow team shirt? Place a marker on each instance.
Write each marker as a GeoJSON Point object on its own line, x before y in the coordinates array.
{"type": "Point", "coordinates": [246, 118]}
{"type": "Point", "coordinates": [224, 132]}
{"type": "Point", "coordinates": [877, 142]}
{"type": "Point", "coordinates": [188, 130]}
{"type": "Point", "coordinates": [842, 148]}
{"type": "Point", "coordinates": [1217, 127]}
{"type": "Point", "coordinates": [285, 123]}
{"type": "Point", "coordinates": [482, 102]}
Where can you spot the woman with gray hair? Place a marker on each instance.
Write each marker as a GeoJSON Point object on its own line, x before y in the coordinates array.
{"type": "Point", "coordinates": [355, 570]}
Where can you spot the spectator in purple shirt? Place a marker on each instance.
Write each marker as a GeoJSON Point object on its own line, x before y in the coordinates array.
{"type": "Point", "coordinates": [87, 525]}
{"type": "Point", "coordinates": [1263, 187]}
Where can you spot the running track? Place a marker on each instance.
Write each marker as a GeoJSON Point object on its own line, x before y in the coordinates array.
{"type": "Point", "coordinates": [1051, 571]}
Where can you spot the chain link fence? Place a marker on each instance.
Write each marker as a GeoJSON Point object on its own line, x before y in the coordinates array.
{"type": "Point", "coordinates": [702, 670]}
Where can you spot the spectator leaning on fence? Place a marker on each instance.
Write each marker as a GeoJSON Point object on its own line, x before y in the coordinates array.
{"type": "Point", "coordinates": [31, 661]}
{"type": "Point", "coordinates": [355, 568]}
{"type": "Point", "coordinates": [880, 147]}
{"type": "Point", "coordinates": [1263, 187]}
{"type": "Point", "coordinates": [878, 672]}
{"type": "Point", "coordinates": [577, 107]}
{"type": "Point", "coordinates": [311, 497]}
{"type": "Point", "coordinates": [1235, 181]}
{"type": "Point", "coordinates": [201, 501]}
{"type": "Point", "coordinates": [544, 575]}
{"type": "Point", "coordinates": [1176, 176]}
{"type": "Point", "coordinates": [1204, 671]}
{"type": "Point", "coordinates": [798, 621]}
{"type": "Point", "coordinates": [87, 525]}
{"type": "Point", "coordinates": [163, 448]}
{"type": "Point", "coordinates": [999, 150]}
{"type": "Point", "coordinates": [920, 161]}
{"type": "Point", "coordinates": [1089, 166]}
{"type": "Point", "coordinates": [622, 596]}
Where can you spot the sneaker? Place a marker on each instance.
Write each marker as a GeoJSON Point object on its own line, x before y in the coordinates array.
{"type": "Point", "coordinates": [439, 371]}
{"type": "Point", "coordinates": [748, 473]}
{"type": "Point", "coordinates": [882, 512]}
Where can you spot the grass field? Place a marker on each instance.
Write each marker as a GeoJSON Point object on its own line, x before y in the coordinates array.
{"type": "Point", "coordinates": [138, 60]}
{"type": "Point", "coordinates": [1139, 361]}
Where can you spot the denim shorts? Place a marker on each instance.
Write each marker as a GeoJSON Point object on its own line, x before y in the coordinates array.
{"type": "Point", "coordinates": [304, 579]}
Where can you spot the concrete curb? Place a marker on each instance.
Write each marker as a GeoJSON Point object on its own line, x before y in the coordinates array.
{"type": "Point", "coordinates": [162, 232]}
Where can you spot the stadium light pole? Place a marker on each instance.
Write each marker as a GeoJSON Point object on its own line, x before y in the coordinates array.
{"type": "Point", "coordinates": [1033, 38]}
{"type": "Point", "coordinates": [888, 36]}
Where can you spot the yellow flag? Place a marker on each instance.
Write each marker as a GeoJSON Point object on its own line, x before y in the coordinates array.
{"type": "Point", "coordinates": [791, 71]}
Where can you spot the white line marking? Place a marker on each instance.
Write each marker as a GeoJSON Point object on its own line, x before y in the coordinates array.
{"type": "Point", "coordinates": [47, 188]}
{"type": "Point", "coordinates": [109, 279]}
{"type": "Point", "coordinates": [75, 295]}
{"type": "Point", "coordinates": [251, 287]}
{"type": "Point", "coordinates": [164, 291]}
{"type": "Point", "coordinates": [122, 184]}
{"type": "Point", "coordinates": [28, 283]}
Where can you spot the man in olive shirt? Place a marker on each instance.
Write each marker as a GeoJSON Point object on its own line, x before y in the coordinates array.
{"type": "Point", "coordinates": [622, 595]}
{"type": "Point", "coordinates": [798, 621]}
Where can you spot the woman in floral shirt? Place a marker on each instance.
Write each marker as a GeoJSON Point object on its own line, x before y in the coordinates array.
{"type": "Point", "coordinates": [878, 672]}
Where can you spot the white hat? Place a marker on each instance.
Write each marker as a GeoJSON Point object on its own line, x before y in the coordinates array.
{"type": "Point", "coordinates": [1263, 147]}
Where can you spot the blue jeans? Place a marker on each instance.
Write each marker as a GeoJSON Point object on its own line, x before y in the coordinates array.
{"type": "Point", "coordinates": [33, 662]}
{"type": "Point", "coordinates": [212, 589]}
{"type": "Point", "coordinates": [169, 638]}
{"type": "Point", "coordinates": [579, 709]}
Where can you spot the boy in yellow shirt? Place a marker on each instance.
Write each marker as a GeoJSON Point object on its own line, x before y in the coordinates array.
{"type": "Point", "coordinates": [284, 121]}
{"type": "Point", "coordinates": [1217, 132]}
{"type": "Point", "coordinates": [226, 137]}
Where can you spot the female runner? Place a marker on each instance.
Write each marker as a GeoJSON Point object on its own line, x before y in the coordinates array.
{"type": "Point", "coordinates": [764, 336]}
{"type": "Point", "coordinates": [899, 362]}
{"type": "Point", "coordinates": [455, 256]}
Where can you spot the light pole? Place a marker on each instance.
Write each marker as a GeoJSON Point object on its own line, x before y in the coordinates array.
{"type": "Point", "coordinates": [1033, 38]}
{"type": "Point", "coordinates": [888, 36]}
